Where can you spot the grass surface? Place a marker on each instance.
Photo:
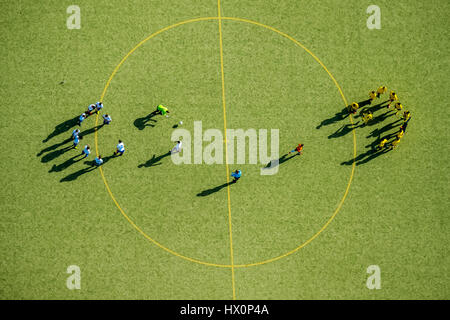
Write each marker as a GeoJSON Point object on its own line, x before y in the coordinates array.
{"type": "Point", "coordinates": [55, 214]}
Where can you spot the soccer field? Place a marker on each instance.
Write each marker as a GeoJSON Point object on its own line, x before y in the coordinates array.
{"type": "Point", "coordinates": [342, 220]}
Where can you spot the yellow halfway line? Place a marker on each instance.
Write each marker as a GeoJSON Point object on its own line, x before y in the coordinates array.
{"type": "Point", "coordinates": [226, 150]}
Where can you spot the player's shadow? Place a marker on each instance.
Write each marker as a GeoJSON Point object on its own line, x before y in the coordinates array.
{"type": "Point", "coordinates": [107, 158]}
{"type": "Point", "coordinates": [378, 132]}
{"type": "Point", "coordinates": [380, 118]}
{"type": "Point", "coordinates": [364, 103]}
{"type": "Point", "coordinates": [90, 167]}
{"type": "Point", "coordinates": [366, 157]}
{"type": "Point", "coordinates": [336, 118]}
{"type": "Point", "coordinates": [143, 122]}
{"type": "Point", "coordinates": [343, 130]}
{"type": "Point", "coordinates": [55, 154]}
{"type": "Point", "coordinates": [376, 107]}
{"type": "Point", "coordinates": [154, 161]}
{"type": "Point", "coordinates": [73, 176]}
{"type": "Point", "coordinates": [208, 192]}
{"type": "Point", "coordinates": [53, 147]}
{"type": "Point", "coordinates": [91, 130]}
{"type": "Point", "coordinates": [61, 128]}
{"type": "Point", "coordinates": [281, 160]}
{"type": "Point", "coordinates": [66, 164]}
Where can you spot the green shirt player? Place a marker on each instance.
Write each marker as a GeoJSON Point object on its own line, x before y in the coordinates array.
{"type": "Point", "coordinates": [162, 110]}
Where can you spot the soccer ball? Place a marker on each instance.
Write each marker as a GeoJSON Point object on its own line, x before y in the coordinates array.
{"type": "Point", "coordinates": [181, 122]}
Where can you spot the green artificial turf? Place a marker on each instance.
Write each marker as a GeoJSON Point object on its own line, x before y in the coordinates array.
{"type": "Point", "coordinates": [57, 212]}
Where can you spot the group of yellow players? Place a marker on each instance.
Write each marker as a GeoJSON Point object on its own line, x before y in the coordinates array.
{"type": "Point", "coordinates": [368, 115]}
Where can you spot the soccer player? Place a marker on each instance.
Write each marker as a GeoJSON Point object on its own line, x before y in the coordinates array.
{"type": "Point", "coordinates": [76, 141]}
{"type": "Point", "coordinates": [86, 151]}
{"type": "Point", "coordinates": [382, 144]}
{"type": "Point", "coordinates": [372, 96]}
{"type": "Point", "coordinates": [236, 175]}
{"type": "Point", "coordinates": [406, 116]}
{"type": "Point", "coordinates": [120, 148]}
{"type": "Point", "coordinates": [98, 161]}
{"type": "Point", "coordinates": [400, 133]}
{"type": "Point", "coordinates": [162, 110]}
{"type": "Point", "coordinates": [394, 143]}
{"type": "Point", "coordinates": [98, 107]}
{"type": "Point", "coordinates": [353, 108]}
{"type": "Point", "coordinates": [177, 148]}
{"type": "Point", "coordinates": [81, 118]}
{"type": "Point", "coordinates": [106, 119]}
{"type": "Point", "coordinates": [91, 109]}
{"type": "Point", "coordinates": [299, 149]}
{"type": "Point", "coordinates": [367, 116]}
{"type": "Point", "coordinates": [75, 133]}
{"type": "Point", "coordinates": [392, 97]}
{"type": "Point", "coordinates": [381, 90]}
{"type": "Point", "coordinates": [398, 106]}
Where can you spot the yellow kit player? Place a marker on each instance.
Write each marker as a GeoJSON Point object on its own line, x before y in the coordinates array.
{"type": "Point", "coordinates": [406, 116]}
{"type": "Point", "coordinates": [400, 134]}
{"type": "Point", "coordinates": [372, 96]}
{"type": "Point", "coordinates": [367, 116]}
{"type": "Point", "coordinates": [381, 90]}
{"type": "Point", "coordinates": [398, 107]}
{"type": "Point", "coordinates": [392, 97]}
{"type": "Point", "coordinates": [395, 143]}
{"type": "Point", "coordinates": [353, 107]}
{"type": "Point", "coordinates": [382, 144]}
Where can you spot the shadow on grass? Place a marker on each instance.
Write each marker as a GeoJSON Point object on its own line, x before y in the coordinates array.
{"type": "Point", "coordinates": [55, 154]}
{"type": "Point", "coordinates": [366, 157]}
{"type": "Point", "coordinates": [53, 147]}
{"type": "Point", "coordinates": [66, 164]}
{"type": "Point", "coordinates": [343, 130]}
{"type": "Point", "coordinates": [208, 192]}
{"type": "Point", "coordinates": [141, 123]}
{"type": "Point", "coordinates": [281, 160]}
{"type": "Point", "coordinates": [376, 107]}
{"type": "Point", "coordinates": [61, 128]}
{"type": "Point", "coordinates": [388, 127]}
{"type": "Point", "coordinates": [91, 130]}
{"type": "Point", "coordinates": [76, 174]}
{"type": "Point", "coordinates": [90, 167]}
{"type": "Point", "coordinates": [336, 118]}
{"type": "Point", "coordinates": [154, 161]}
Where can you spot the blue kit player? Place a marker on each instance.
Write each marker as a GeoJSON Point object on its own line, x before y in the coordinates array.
{"type": "Point", "coordinates": [98, 161]}
{"type": "Point", "coordinates": [75, 133]}
{"type": "Point", "coordinates": [98, 107]}
{"type": "Point", "coordinates": [236, 175]}
{"type": "Point", "coordinates": [91, 109]}
{"type": "Point", "coordinates": [106, 119]}
{"type": "Point", "coordinates": [120, 148]}
{"type": "Point", "coordinates": [81, 118]}
{"type": "Point", "coordinates": [86, 151]}
{"type": "Point", "coordinates": [76, 141]}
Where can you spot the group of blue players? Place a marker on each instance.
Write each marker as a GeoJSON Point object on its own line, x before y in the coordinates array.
{"type": "Point", "coordinates": [94, 108]}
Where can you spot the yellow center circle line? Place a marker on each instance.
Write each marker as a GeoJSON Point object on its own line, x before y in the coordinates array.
{"type": "Point", "coordinates": [193, 259]}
